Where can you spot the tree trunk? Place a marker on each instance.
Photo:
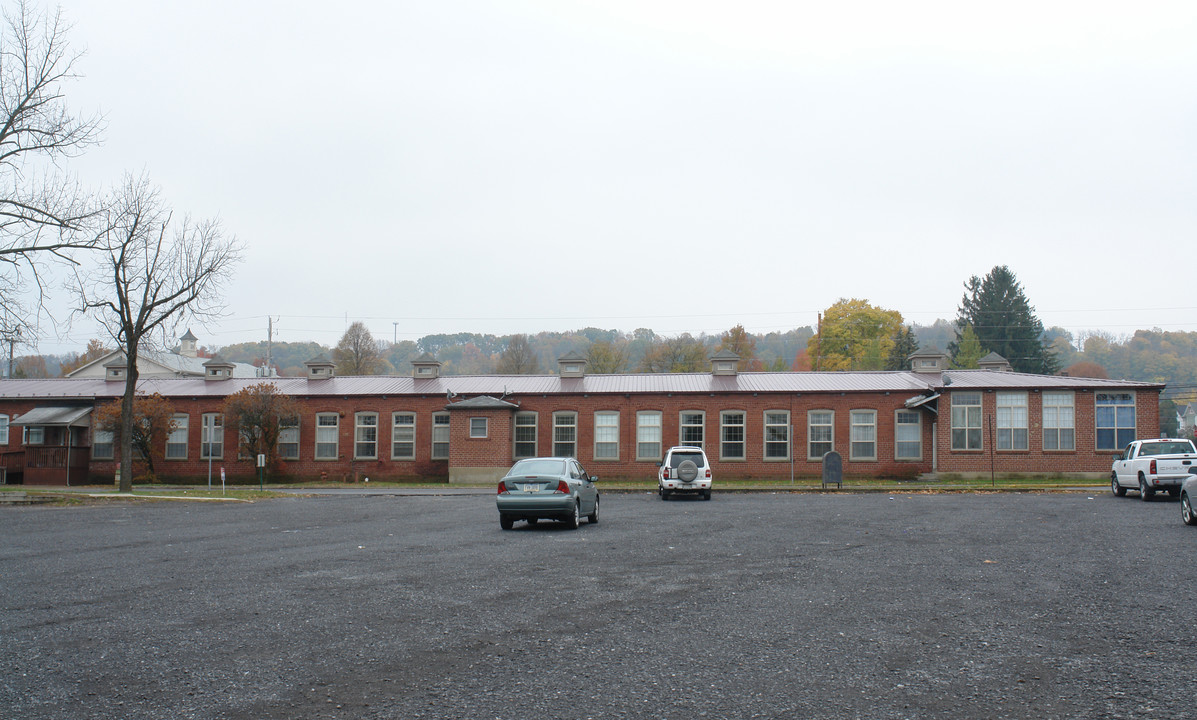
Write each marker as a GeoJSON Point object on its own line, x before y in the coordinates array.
{"type": "Point", "coordinates": [126, 464]}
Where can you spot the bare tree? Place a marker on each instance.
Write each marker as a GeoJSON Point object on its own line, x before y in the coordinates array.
{"type": "Point", "coordinates": [358, 353]}
{"type": "Point", "coordinates": [518, 358]}
{"type": "Point", "coordinates": [42, 215]}
{"type": "Point", "coordinates": [155, 274]}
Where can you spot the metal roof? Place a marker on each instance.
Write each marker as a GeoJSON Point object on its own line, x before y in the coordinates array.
{"type": "Point", "coordinates": [657, 383]}
{"type": "Point", "coordinates": [55, 415]}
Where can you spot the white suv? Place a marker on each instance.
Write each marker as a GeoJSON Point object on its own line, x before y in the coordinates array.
{"type": "Point", "coordinates": [684, 470]}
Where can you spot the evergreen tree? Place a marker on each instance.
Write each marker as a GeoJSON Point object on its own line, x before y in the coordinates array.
{"type": "Point", "coordinates": [1004, 321]}
{"type": "Point", "coordinates": [905, 345]}
{"type": "Point", "coordinates": [968, 352]}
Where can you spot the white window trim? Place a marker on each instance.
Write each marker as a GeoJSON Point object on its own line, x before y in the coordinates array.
{"type": "Point", "coordinates": [4, 425]}
{"type": "Point", "coordinates": [208, 427]}
{"type": "Point", "coordinates": [660, 435]}
{"type": "Point", "coordinates": [185, 430]}
{"type": "Point", "coordinates": [571, 414]}
{"type": "Point", "coordinates": [358, 428]}
{"type": "Point", "coordinates": [953, 427]}
{"type": "Point", "coordinates": [1134, 403]}
{"type": "Point", "coordinates": [852, 442]}
{"type": "Point", "coordinates": [515, 428]}
{"type": "Point", "coordinates": [441, 430]}
{"type": "Point", "coordinates": [336, 443]}
{"type": "Point", "coordinates": [283, 427]}
{"type": "Point", "coordinates": [742, 442]}
{"type": "Point", "coordinates": [597, 442]}
{"type": "Point", "coordinates": [897, 426]}
{"type": "Point", "coordinates": [110, 444]}
{"type": "Point", "coordinates": [485, 428]}
{"type": "Point", "coordinates": [396, 427]}
{"type": "Point", "coordinates": [1044, 405]}
{"type": "Point", "coordinates": [681, 428]}
{"type": "Point", "coordinates": [1000, 424]}
{"type": "Point", "coordinates": [765, 442]}
{"type": "Point", "coordinates": [810, 441]}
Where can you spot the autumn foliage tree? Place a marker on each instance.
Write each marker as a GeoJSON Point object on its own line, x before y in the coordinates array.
{"type": "Point", "coordinates": [854, 335]}
{"type": "Point", "coordinates": [358, 353]}
{"type": "Point", "coordinates": [153, 422]}
{"type": "Point", "coordinates": [256, 416]}
{"type": "Point", "coordinates": [738, 340]}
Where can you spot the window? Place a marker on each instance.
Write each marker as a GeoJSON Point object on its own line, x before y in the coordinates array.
{"type": "Point", "coordinates": [525, 435]}
{"type": "Point", "coordinates": [1115, 420]}
{"type": "Point", "coordinates": [101, 445]}
{"type": "Point", "coordinates": [777, 435]}
{"type": "Point", "coordinates": [820, 433]}
{"type": "Point", "coordinates": [731, 435]}
{"type": "Point", "coordinates": [365, 436]}
{"type": "Point", "coordinates": [3, 429]}
{"type": "Point", "coordinates": [648, 435]}
{"type": "Point", "coordinates": [565, 434]}
{"type": "Point", "coordinates": [176, 441]}
{"type": "Point", "coordinates": [1059, 421]}
{"type": "Point", "coordinates": [212, 436]}
{"type": "Point", "coordinates": [908, 435]}
{"type": "Point", "coordinates": [691, 427]}
{"type": "Point", "coordinates": [35, 435]}
{"type": "Point", "coordinates": [606, 435]}
{"type": "Point", "coordinates": [288, 439]}
{"type": "Point", "coordinates": [403, 436]}
{"type": "Point", "coordinates": [1011, 421]}
{"type": "Point", "coordinates": [966, 421]}
{"type": "Point", "coordinates": [478, 427]}
{"type": "Point", "coordinates": [440, 436]}
{"type": "Point", "coordinates": [327, 425]}
{"type": "Point", "coordinates": [863, 434]}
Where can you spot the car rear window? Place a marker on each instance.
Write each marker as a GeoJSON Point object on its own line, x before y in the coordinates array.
{"type": "Point", "coordinates": [676, 459]}
{"type": "Point", "coordinates": [538, 467]}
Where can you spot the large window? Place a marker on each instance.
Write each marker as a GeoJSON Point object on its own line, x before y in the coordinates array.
{"type": "Point", "coordinates": [908, 435]}
{"type": "Point", "coordinates": [648, 435]}
{"type": "Point", "coordinates": [1012, 421]}
{"type": "Point", "coordinates": [365, 436]}
{"type": "Point", "coordinates": [966, 421]}
{"type": "Point", "coordinates": [565, 434]}
{"type": "Point", "coordinates": [101, 445]}
{"type": "Point", "coordinates": [1059, 421]}
{"type": "Point", "coordinates": [525, 435]}
{"type": "Point", "coordinates": [440, 436]}
{"type": "Point", "coordinates": [327, 426]}
{"type": "Point", "coordinates": [176, 441]}
{"type": "Point", "coordinates": [288, 439]}
{"type": "Point", "coordinates": [35, 435]}
{"type": "Point", "coordinates": [403, 436]}
{"type": "Point", "coordinates": [820, 433]}
{"type": "Point", "coordinates": [731, 435]}
{"type": "Point", "coordinates": [3, 429]}
{"type": "Point", "coordinates": [691, 426]}
{"type": "Point", "coordinates": [1115, 420]}
{"type": "Point", "coordinates": [863, 431]}
{"type": "Point", "coordinates": [212, 436]}
{"type": "Point", "coordinates": [606, 435]}
{"type": "Point", "coordinates": [777, 435]}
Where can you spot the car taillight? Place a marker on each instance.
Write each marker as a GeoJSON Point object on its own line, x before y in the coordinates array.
{"type": "Point", "coordinates": [666, 473]}
{"type": "Point", "coordinates": [1152, 467]}
{"type": "Point", "coordinates": [562, 487]}
{"type": "Point", "coordinates": [708, 472]}
{"type": "Point", "coordinates": [502, 487]}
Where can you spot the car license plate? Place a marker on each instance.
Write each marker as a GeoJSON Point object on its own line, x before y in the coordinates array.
{"type": "Point", "coordinates": [531, 487]}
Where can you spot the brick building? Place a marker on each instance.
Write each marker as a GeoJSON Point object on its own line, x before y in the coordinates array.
{"type": "Point", "coordinates": [471, 428]}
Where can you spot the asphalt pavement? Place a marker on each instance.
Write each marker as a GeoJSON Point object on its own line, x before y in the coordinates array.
{"type": "Point", "coordinates": [1062, 605]}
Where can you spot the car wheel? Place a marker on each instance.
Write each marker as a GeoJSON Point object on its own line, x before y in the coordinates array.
{"type": "Point", "coordinates": [505, 522]}
{"type": "Point", "coordinates": [575, 519]}
{"type": "Point", "coordinates": [1173, 492]}
{"type": "Point", "coordinates": [664, 493]}
{"type": "Point", "coordinates": [532, 521]}
{"type": "Point", "coordinates": [1115, 487]}
{"type": "Point", "coordinates": [1186, 510]}
{"type": "Point", "coordinates": [1145, 492]}
{"type": "Point", "coordinates": [592, 518]}
{"type": "Point", "coordinates": [687, 471]}
{"type": "Point", "coordinates": [706, 494]}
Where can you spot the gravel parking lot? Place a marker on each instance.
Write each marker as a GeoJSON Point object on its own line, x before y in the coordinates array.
{"type": "Point", "coordinates": [1074, 605]}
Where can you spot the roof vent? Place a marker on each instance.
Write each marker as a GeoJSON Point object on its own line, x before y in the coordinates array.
{"type": "Point", "coordinates": [571, 365]}
{"type": "Point", "coordinates": [426, 367]}
{"type": "Point", "coordinates": [724, 362]}
{"type": "Point", "coordinates": [320, 368]}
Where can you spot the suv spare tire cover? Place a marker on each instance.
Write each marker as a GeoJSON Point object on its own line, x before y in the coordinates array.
{"type": "Point", "coordinates": [687, 470]}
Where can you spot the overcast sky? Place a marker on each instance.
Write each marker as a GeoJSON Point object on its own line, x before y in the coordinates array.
{"type": "Point", "coordinates": [517, 166]}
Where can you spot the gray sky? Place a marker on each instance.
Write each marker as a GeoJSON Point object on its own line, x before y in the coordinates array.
{"type": "Point", "coordinates": [519, 166]}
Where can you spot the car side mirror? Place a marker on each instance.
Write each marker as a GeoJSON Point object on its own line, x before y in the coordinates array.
{"type": "Point", "coordinates": [594, 478]}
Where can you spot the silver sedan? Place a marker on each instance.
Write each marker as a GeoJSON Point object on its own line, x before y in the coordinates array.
{"type": "Point", "coordinates": [547, 488]}
{"type": "Point", "coordinates": [1188, 497]}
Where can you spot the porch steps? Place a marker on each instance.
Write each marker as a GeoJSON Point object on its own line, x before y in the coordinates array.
{"type": "Point", "coordinates": [23, 498]}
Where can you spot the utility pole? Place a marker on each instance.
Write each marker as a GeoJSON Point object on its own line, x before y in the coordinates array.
{"type": "Point", "coordinates": [269, 345]}
{"type": "Point", "coordinates": [395, 340]}
{"type": "Point", "coordinates": [11, 335]}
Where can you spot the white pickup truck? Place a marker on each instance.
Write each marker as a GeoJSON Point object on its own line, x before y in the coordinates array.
{"type": "Point", "coordinates": [1150, 465]}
